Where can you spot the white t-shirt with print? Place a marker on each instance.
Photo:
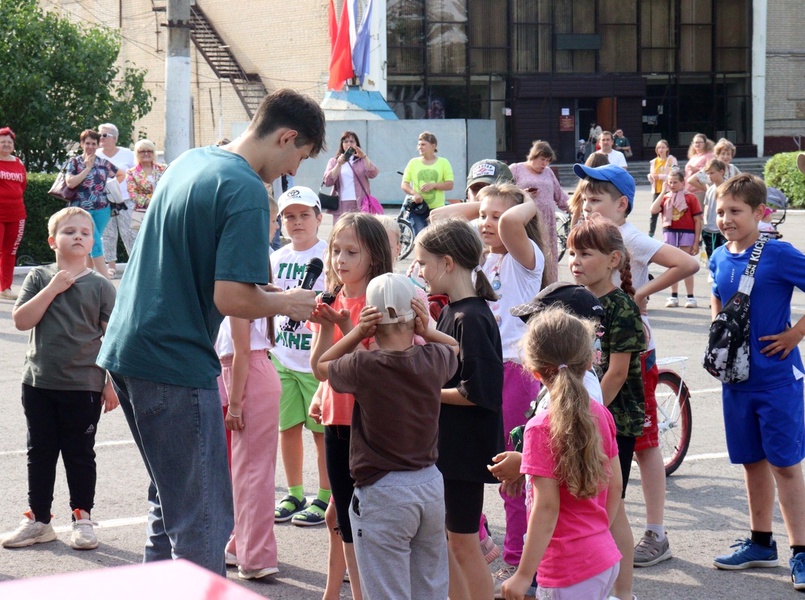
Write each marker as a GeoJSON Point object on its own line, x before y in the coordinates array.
{"type": "Point", "coordinates": [518, 285]}
{"type": "Point", "coordinates": [292, 348]}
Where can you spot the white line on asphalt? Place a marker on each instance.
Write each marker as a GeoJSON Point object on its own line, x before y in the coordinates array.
{"type": "Point", "coordinates": [706, 456]}
{"type": "Point", "coordinates": [98, 445]}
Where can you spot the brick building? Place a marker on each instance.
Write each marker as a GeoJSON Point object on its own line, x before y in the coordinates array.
{"type": "Point", "coordinates": [655, 68]}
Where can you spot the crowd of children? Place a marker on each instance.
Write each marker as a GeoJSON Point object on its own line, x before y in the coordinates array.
{"type": "Point", "coordinates": [401, 476]}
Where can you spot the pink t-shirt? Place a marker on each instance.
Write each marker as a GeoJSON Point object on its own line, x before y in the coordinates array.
{"type": "Point", "coordinates": [581, 546]}
{"type": "Point", "coordinates": [336, 408]}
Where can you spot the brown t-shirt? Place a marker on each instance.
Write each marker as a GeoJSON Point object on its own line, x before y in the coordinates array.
{"type": "Point", "coordinates": [395, 423]}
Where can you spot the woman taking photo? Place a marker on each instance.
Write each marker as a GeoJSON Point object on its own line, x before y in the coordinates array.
{"type": "Point", "coordinates": [700, 153]}
{"type": "Point", "coordinates": [659, 168]}
{"type": "Point", "coordinates": [349, 171]}
{"type": "Point", "coordinates": [426, 178]}
{"type": "Point", "coordinates": [87, 174]}
{"type": "Point", "coordinates": [13, 182]}
{"type": "Point", "coordinates": [142, 179]}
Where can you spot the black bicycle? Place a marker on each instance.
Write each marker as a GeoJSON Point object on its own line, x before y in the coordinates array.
{"type": "Point", "coordinates": [406, 229]}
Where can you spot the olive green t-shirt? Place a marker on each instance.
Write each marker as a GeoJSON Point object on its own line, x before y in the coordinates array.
{"type": "Point", "coordinates": [63, 346]}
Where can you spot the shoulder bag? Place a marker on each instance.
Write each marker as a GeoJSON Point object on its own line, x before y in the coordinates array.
{"type": "Point", "coordinates": [369, 204]}
{"type": "Point", "coordinates": [328, 201]}
{"type": "Point", "coordinates": [60, 189]}
{"type": "Point", "coordinates": [727, 354]}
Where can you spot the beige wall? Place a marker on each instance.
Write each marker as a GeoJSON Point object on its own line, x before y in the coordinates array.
{"type": "Point", "coordinates": [785, 68]}
{"type": "Point", "coordinates": [285, 42]}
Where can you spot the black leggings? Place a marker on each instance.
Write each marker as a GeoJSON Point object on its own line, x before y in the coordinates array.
{"type": "Point", "coordinates": [336, 455]}
{"type": "Point", "coordinates": [625, 456]}
{"type": "Point", "coordinates": [63, 422]}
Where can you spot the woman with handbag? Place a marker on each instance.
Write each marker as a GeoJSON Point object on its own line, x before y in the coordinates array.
{"type": "Point", "coordinates": [13, 181]}
{"type": "Point", "coordinates": [87, 174]}
{"type": "Point", "coordinates": [349, 172]}
{"type": "Point", "coordinates": [142, 179]}
{"type": "Point", "coordinates": [122, 205]}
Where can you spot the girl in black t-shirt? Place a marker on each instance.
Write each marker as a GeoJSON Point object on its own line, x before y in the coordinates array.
{"type": "Point", "coordinates": [449, 253]}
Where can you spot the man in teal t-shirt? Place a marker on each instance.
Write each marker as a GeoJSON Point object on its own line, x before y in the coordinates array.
{"type": "Point", "coordinates": [202, 254]}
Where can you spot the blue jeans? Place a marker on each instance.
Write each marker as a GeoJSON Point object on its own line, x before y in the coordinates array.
{"type": "Point", "coordinates": [418, 223]}
{"type": "Point", "coordinates": [180, 434]}
{"type": "Point", "coordinates": [100, 218]}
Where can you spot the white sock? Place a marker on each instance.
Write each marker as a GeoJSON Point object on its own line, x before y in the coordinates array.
{"type": "Point", "coordinates": [657, 529]}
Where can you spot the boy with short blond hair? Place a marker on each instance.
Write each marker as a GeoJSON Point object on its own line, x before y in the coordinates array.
{"type": "Point", "coordinates": [763, 416]}
{"type": "Point", "coordinates": [66, 306]}
{"type": "Point", "coordinates": [300, 213]}
{"type": "Point", "coordinates": [609, 191]}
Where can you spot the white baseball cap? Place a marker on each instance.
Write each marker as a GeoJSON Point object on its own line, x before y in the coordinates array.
{"type": "Point", "coordinates": [298, 194]}
{"type": "Point", "coordinates": [391, 294]}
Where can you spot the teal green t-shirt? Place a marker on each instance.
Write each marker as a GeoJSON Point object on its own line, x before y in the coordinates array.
{"type": "Point", "coordinates": [208, 221]}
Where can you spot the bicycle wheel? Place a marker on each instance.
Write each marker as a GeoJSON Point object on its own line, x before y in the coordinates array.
{"type": "Point", "coordinates": [674, 419]}
{"type": "Point", "coordinates": [406, 238]}
{"type": "Point", "coordinates": [562, 231]}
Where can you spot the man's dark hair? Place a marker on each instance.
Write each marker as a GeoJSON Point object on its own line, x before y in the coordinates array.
{"type": "Point", "coordinates": [287, 108]}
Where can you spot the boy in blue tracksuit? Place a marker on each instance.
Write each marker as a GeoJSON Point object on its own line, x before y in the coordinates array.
{"type": "Point", "coordinates": [763, 415]}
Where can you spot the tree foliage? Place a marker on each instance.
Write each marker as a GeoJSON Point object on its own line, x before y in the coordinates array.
{"type": "Point", "coordinates": [781, 172]}
{"type": "Point", "coordinates": [59, 78]}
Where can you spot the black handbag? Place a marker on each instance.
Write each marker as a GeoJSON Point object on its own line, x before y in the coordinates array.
{"type": "Point", "coordinates": [328, 201]}
{"type": "Point", "coordinates": [728, 350]}
{"type": "Point", "coordinates": [60, 189]}
{"type": "Point", "coordinates": [421, 210]}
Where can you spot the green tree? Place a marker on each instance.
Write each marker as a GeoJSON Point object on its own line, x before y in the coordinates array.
{"type": "Point", "coordinates": [59, 78]}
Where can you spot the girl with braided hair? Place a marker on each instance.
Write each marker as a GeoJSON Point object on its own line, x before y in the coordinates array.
{"type": "Point", "coordinates": [597, 253]}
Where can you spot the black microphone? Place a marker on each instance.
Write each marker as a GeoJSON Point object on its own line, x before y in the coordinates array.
{"type": "Point", "coordinates": [313, 269]}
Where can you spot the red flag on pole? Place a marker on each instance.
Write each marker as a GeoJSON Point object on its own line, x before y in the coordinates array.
{"type": "Point", "coordinates": [341, 59]}
{"type": "Point", "coordinates": [332, 25]}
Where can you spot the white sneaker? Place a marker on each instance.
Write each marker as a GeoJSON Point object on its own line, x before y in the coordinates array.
{"type": "Point", "coordinates": [672, 302]}
{"type": "Point", "coordinates": [29, 532]}
{"type": "Point", "coordinates": [8, 295]}
{"type": "Point", "coordinates": [83, 536]}
{"type": "Point", "coordinates": [257, 573]}
{"type": "Point", "coordinates": [690, 303]}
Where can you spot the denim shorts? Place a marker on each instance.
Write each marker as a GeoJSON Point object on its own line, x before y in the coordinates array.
{"type": "Point", "coordinates": [765, 424]}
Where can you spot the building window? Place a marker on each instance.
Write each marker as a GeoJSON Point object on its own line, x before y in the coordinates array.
{"type": "Point", "coordinates": [489, 44]}
{"type": "Point", "coordinates": [405, 21]}
{"type": "Point", "coordinates": [657, 25]}
{"type": "Point", "coordinates": [618, 28]}
{"type": "Point", "coordinates": [447, 36]}
{"type": "Point", "coordinates": [532, 36]}
{"type": "Point", "coordinates": [696, 36]}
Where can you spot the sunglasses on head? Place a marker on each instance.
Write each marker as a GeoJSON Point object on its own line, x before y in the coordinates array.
{"type": "Point", "coordinates": [106, 135]}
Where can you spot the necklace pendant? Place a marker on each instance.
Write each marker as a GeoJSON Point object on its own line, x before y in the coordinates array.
{"type": "Point", "coordinates": [496, 284]}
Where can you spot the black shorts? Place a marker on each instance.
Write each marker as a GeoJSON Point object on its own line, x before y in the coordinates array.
{"type": "Point", "coordinates": [625, 456]}
{"type": "Point", "coordinates": [336, 455]}
{"type": "Point", "coordinates": [464, 503]}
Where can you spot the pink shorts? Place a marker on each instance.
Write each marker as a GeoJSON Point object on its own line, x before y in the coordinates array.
{"type": "Point", "coordinates": [651, 432]}
{"type": "Point", "coordinates": [596, 587]}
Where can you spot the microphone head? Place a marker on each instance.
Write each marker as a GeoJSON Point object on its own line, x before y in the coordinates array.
{"type": "Point", "coordinates": [314, 266]}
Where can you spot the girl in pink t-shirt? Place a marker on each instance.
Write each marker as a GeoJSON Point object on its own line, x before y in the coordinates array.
{"type": "Point", "coordinates": [570, 459]}
{"type": "Point", "coordinates": [357, 252]}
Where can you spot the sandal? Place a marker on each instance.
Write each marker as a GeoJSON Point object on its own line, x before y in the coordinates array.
{"type": "Point", "coordinates": [309, 517]}
{"type": "Point", "coordinates": [282, 514]}
{"type": "Point", "coordinates": [111, 272]}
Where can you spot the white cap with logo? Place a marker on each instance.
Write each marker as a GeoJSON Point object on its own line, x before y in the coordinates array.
{"type": "Point", "coordinates": [298, 195]}
{"type": "Point", "coordinates": [391, 294]}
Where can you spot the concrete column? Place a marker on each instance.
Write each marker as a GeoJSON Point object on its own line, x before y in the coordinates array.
{"type": "Point", "coordinates": [759, 18]}
{"type": "Point", "coordinates": [177, 80]}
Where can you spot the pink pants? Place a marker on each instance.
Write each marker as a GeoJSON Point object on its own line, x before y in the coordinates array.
{"type": "Point", "coordinates": [254, 461]}
{"type": "Point", "coordinates": [519, 389]}
{"type": "Point", "coordinates": [10, 238]}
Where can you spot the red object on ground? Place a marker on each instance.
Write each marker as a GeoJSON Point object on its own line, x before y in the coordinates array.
{"type": "Point", "coordinates": [165, 580]}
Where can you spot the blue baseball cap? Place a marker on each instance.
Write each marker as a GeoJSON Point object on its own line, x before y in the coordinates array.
{"type": "Point", "coordinates": [617, 176]}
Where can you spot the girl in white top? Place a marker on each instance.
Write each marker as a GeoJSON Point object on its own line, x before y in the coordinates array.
{"type": "Point", "coordinates": [514, 266]}
{"type": "Point", "coordinates": [250, 390]}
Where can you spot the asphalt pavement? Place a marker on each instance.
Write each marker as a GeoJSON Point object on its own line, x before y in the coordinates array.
{"type": "Point", "coordinates": [705, 512]}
